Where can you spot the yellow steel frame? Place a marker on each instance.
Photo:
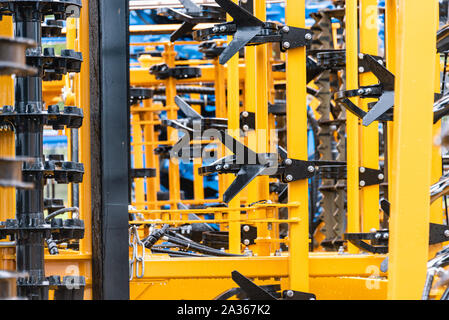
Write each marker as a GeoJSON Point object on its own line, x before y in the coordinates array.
{"type": "Point", "coordinates": [330, 275]}
{"type": "Point", "coordinates": [409, 231]}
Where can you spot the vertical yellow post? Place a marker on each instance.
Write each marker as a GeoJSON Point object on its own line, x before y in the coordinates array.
{"type": "Point", "coordinates": [137, 152]}
{"type": "Point", "coordinates": [150, 158]}
{"type": "Point", "coordinates": [297, 149]}
{"type": "Point", "coordinates": [172, 113]}
{"type": "Point", "coordinates": [7, 149]}
{"type": "Point", "coordinates": [233, 127]}
{"type": "Point", "coordinates": [411, 167]}
{"type": "Point", "coordinates": [220, 112]}
{"type": "Point", "coordinates": [390, 54]}
{"type": "Point", "coordinates": [198, 181]}
{"type": "Point", "coordinates": [369, 136]}
{"type": "Point", "coordinates": [352, 122]}
{"type": "Point", "coordinates": [83, 101]}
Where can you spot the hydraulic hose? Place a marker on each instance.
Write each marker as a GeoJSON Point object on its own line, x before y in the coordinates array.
{"type": "Point", "coordinates": [61, 211]}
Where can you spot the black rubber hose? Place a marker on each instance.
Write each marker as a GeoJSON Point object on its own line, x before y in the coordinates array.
{"type": "Point", "coordinates": [61, 211]}
{"type": "Point", "coordinates": [178, 253]}
{"type": "Point", "coordinates": [199, 248]}
{"type": "Point", "coordinates": [187, 90]}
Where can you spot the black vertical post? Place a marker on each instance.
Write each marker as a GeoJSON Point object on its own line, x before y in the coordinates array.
{"type": "Point", "coordinates": [109, 21]}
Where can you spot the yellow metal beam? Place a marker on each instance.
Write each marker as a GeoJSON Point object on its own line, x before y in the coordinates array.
{"type": "Point", "coordinates": [369, 136]}
{"type": "Point", "coordinates": [297, 149]}
{"type": "Point", "coordinates": [411, 167]}
{"type": "Point", "coordinates": [234, 130]}
{"type": "Point", "coordinates": [352, 122]}
{"type": "Point", "coordinates": [321, 265]}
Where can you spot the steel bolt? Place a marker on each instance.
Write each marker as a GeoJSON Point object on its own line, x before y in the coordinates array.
{"type": "Point", "coordinates": [286, 29]}
{"type": "Point", "coordinates": [286, 44]}
{"type": "Point", "coordinates": [218, 167]}
{"type": "Point", "coordinates": [381, 176]}
{"type": "Point", "coordinates": [386, 235]}
{"type": "Point", "coordinates": [311, 169]}
{"type": "Point", "coordinates": [226, 166]}
{"type": "Point", "coordinates": [446, 233]}
{"type": "Point", "coordinates": [362, 169]}
{"type": "Point", "coordinates": [380, 62]}
{"type": "Point", "coordinates": [362, 183]}
{"type": "Point", "coordinates": [246, 228]}
{"type": "Point", "coordinates": [308, 36]}
{"type": "Point", "coordinates": [222, 28]}
{"type": "Point", "coordinates": [378, 236]}
{"type": "Point", "coordinates": [246, 242]}
{"type": "Point", "coordinates": [215, 29]}
{"type": "Point", "coordinates": [360, 91]}
{"type": "Point", "coordinates": [288, 162]}
{"type": "Point", "coordinates": [361, 69]}
{"type": "Point", "coordinates": [361, 55]}
{"type": "Point", "coordinates": [290, 293]}
{"type": "Point", "coordinates": [245, 127]}
{"type": "Point", "coordinates": [289, 177]}
{"type": "Point", "coordinates": [245, 114]}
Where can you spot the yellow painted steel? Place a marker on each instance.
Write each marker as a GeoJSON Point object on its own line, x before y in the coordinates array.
{"type": "Point", "coordinates": [233, 100]}
{"type": "Point", "coordinates": [369, 136]}
{"type": "Point", "coordinates": [411, 166]}
{"type": "Point", "coordinates": [7, 149]}
{"type": "Point", "coordinates": [70, 262]}
{"type": "Point", "coordinates": [297, 149]}
{"type": "Point", "coordinates": [352, 123]}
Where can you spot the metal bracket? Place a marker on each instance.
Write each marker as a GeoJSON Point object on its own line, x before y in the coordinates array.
{"type": "Point", "coordinates": [162, 71]}
{"type": "Point", "coordinates": [143, 173]}
{"type": "Point", "coordinates": [251, 291]}
{"type": "Point", "coordinates": [191, 15]}
{"type": "Point", "coordinates": [379, 239]}
{"type": "Point", "coordinates": [247, 121]}
{"type": "Point", "coordinates": [384, 92]}
{"type": "Point", "coordinates": [136, 95]}
{"type": "Point", "coordinates": [249, 30]}
{"type": "Point", "coordinates": [370, 177]}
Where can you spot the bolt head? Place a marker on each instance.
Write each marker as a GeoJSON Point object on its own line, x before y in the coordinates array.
{"type": "Point", "coordinates": [286, 44]}
{"type": "Point", "coordinates": [360, 91]}
{"type": "Point", "coordinates": [386, 235]}
{"type": "Point", "coordinates": [289, 177]}
{"type": "Point", "coordinates": [361, 55]}
{"type": "Point", "coordinates": [226, 166]}
{"type": "Point", "coordinates": [246, 228]}
{"type": "Point", "coordinates": [362, 170]}
{"type": "Point", "coordinates": [446, 233]}
{"type": "Point", "coordinates": [215, 29]}
{"type": "Point", "coordinates": [290, 293]}
{"type": "Point", "coordinates": [380, 62]}
{"type": "Point", "coordinates": [245, 114]}
{"type": "Point", "coordinates": [362, 183]}
{"type": "Point", "coordinates": [288, 162]}
{"type": "Point", "coordinates": [218, 167]}
{"type": "Point", "coordinates": [246, 242]}
{"type": "Point", "coordinates": [381, 176]}
{"type": "Point", "coordinates": [286, 29]}
{"type": "Point", "coordinates": [308, 36]}
{"type": "Point", "coordinates": [245, 127]}
{"type": "Point", "coordinates": [378, 236]}
{"type": "Point", "coordinates": [361, 69]}
{"type": "Point", "coordinates": [311, 169]}
{"type": "Point", "coordinates": [222, 28]}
